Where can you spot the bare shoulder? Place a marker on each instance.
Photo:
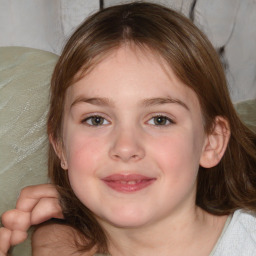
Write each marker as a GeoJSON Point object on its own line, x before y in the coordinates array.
{"type": "Point", "coordinates": [54, 239]}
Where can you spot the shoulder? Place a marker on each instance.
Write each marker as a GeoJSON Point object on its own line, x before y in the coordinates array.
{"type": "Point", "coordinates": [244, 222]}
{"type": "Point", "coordinates": [239, 238]}
{"type": "Point", "coordinates": [53, 239]}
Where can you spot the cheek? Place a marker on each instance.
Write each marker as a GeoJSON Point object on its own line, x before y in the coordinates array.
{"type": "Point", "coordinates": [83, 153]}
{"type": "Point", "coordinates": [178, 154]}
{"type": "Point", "coordinates": [177, 158]}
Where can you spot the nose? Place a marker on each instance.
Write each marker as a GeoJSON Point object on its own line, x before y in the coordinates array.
{"type": "Point", "coordinates": [127, 146]}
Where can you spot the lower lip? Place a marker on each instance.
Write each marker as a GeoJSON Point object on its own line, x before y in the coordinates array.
{"type": "Point", "coordinates": [126, 187]}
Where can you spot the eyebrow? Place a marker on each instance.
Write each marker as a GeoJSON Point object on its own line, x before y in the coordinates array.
{"type": "Point", "coordinates": [145, 103]}
{"type": "Point", "coordinates": [161, 101]}
{"type": "Point", "coordinates": [94, 101]}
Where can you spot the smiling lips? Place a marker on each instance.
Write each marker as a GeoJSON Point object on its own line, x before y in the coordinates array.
{"type": "Point", "coordinates": [128, 183]}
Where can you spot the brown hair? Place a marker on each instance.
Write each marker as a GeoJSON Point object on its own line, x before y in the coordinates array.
{"type": "Point", "coordinates": [222, 189]}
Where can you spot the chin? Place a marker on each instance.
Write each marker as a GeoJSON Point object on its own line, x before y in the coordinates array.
{"type": "Point", "coordinates": [127, 219]}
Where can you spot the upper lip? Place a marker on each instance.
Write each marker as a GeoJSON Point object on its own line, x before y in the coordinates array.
{"type": "Point", "coordinates": [127, 177]}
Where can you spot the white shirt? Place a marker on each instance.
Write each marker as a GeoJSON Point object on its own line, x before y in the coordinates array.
{"type": "Point", "coordinates": [238, 237]}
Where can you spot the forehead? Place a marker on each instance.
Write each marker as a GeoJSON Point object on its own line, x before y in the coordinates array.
{"type": "Point", "coordinates": [133, 69]}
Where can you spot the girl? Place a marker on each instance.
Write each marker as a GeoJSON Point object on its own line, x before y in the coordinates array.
{"type": "Point", "coordinates": [147, 153]}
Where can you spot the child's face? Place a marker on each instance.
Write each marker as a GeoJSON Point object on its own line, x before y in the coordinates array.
{"type": "Point", "coordinates": [133, 138]}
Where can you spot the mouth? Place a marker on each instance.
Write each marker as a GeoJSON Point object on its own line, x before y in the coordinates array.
{"type": "Point", "coordinates": [128, 183]}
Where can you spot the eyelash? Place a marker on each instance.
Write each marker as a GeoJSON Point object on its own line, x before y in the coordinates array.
{"type": "Point", "coordinates": [166, 119]}
{"type": "Point", "coordinates": [90, 118]}
{"type": "Point", "coordinates": [102, 121]}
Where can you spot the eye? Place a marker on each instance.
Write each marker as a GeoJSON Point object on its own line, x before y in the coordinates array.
{"type": "Point", "coordinates": [95, 121]}
{"type": "Point", "coordinates": [160, 120]}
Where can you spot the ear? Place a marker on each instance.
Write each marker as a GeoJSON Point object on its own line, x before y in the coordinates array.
{"type": "Point", "coordinates": [215, 143]}
{"type": "Point", "coordinates": [58, 148]}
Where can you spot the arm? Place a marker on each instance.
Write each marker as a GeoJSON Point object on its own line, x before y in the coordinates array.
{"type": "Point", "coordinates": [57, 239]}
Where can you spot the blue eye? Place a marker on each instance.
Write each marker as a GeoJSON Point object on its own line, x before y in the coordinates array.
{"type": "Point", "coordinates": [95, 121]}
{"type": "Point", "coordinates": [160, 120]}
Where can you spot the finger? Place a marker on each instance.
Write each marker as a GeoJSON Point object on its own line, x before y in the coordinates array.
{"type": "Point", "coordinates": [18, 237]}
{"type": "Point", "coordinates": [30, 196]}
{"type": "Point", "coordinates": [16, 220]}
{"type": "Point", "coordinates": [46, 209]}
{"type": "Point", "coordinates": [5, 241]}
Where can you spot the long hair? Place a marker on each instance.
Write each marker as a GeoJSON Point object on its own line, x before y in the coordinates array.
{"type": "Point", "coordinates": [222, 189]}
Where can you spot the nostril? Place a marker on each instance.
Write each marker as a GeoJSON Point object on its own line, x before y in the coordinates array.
{"type": "Point", "coordinates": [125, 157]}
{"type": "Point", "coordinates": [126, 148]}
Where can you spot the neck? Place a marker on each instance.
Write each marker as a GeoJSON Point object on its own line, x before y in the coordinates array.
{"type": "Point", "coordinates": [175, 235]}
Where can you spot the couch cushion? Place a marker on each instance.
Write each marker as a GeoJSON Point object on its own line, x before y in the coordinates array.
{"type": "Point", "coordinates": [24, 88]}
{"type": "Point", "coordinates": [247, 112]}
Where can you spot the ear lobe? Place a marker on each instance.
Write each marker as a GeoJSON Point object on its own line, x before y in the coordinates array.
{"type": "Point", "coordinates": [215, 143]}
{"type": "Point", "coordinates": [58, 148]}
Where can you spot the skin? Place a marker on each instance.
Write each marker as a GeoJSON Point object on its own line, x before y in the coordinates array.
{"type": "Point", "coordinates": [123, 91]}
{"type": "Point", "coordinates": [127, 142]}
{"type": "Point", "coordinates": [128, 90]}
{"type": "Point", "coordinates": [35, 205]}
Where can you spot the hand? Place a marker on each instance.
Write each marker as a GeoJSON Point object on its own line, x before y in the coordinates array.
{"type": "Point", "coordinates": [35, 205]}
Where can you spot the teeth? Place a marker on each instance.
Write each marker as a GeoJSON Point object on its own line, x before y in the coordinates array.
{"type": "Point", "coordinates": [130, 182]}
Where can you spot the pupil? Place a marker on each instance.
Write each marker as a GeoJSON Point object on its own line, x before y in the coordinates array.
{"type": "Point", "coordinates": [160, 120]}
{"type": "Point", "coordinates": [97, 120]}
